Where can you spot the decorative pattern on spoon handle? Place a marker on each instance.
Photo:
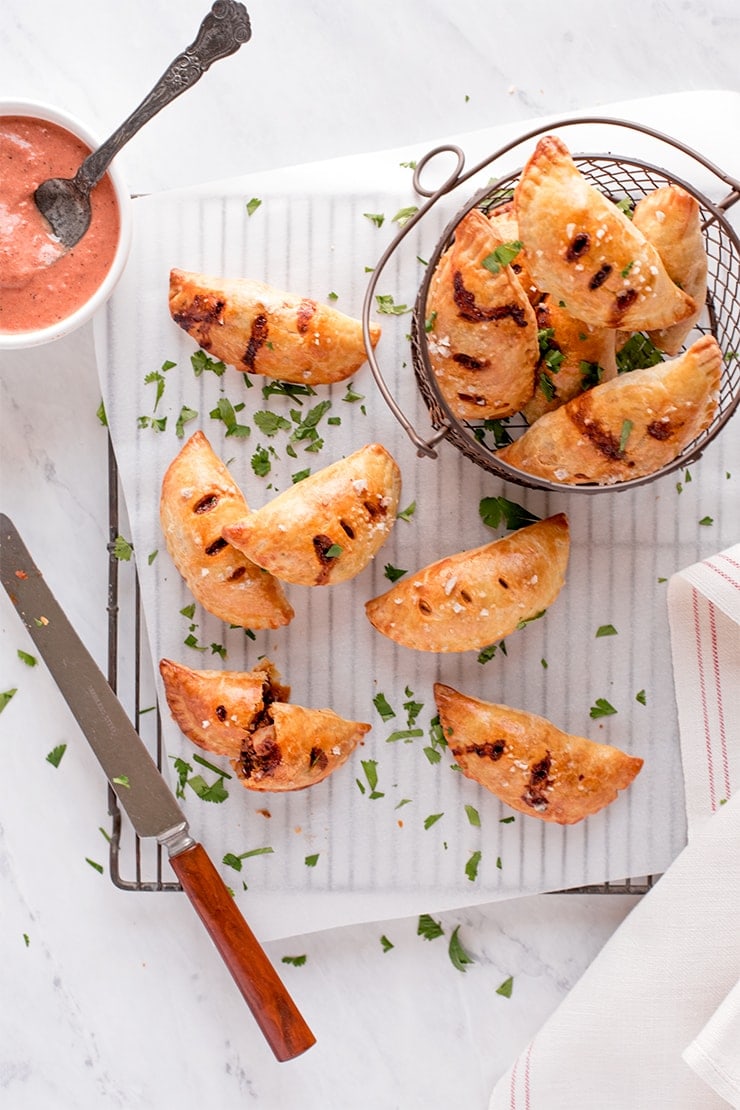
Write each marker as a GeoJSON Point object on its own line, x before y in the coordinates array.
{"type": "Point", "coordinates": [222, 32]}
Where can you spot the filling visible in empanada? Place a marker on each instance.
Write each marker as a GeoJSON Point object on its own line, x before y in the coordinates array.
{"type": "Point", "coordinates": [198, 499]}
{"type": "Point", "coordinates": [573, 357]}
{"type": "Point", "coordinates": [273, 746]}
{"type": "Point", "coordinates": [670, 219]}
{"type": "Point", "coordinates": [482, 331]}
{"type": "Point", "coordinates": [529, 763]}
{"type": "Point", "coordinates": [327, 527]}
{"type": "Point", "coordinates": [467, 601]}
{"type": "Point", "coordinates": [261, 330]}
{"type": "Point", "coordinates": [586, 253]}
{"type": "Point", "coordinates": [628, 427]}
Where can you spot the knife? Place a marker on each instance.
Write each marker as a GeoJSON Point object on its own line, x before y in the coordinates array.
{"type": "Point", "coordinates": [146, 797]}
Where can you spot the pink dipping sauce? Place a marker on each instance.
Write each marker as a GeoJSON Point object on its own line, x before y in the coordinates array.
{"type": "Point", "coordinates": [40, 284]}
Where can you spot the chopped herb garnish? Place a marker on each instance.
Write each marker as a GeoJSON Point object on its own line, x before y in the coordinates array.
{"type": "Point", "coordinates": [628, 267]}
{"type": "Point", "coordinates": [29, 660]}
{"type": "Point", "coordinates": [98, 866]}
{"type": "Point", "coordinates": [641, 697]}
{"type": "Point", "coordinates": [486, 654]}
{"type": "Point", "coordinates": [311, 861]}
{"type": "Point", "coordinates": [370, 767]}
{"type": "Point", "coordinates": [602, 708]}
{"type": "Point", "coordinates": [215, 792]}
{"type": "Point", "coordinates": [499, 864]}
{"type": "Point", "coordinates": [253, 205]}
{"type": "Point", "coordinates": [385, 944]}
{"type": "Point", "coordinates": [351, 396]}
{"type": "Point", "coordinates": [388, 306]}
{"type": "Point", "coordinates": [260, 462]}
{"type": "Point", "coordinates": [503, 255]}
{"type": "Point", "coordinates": [226, 412]}
{"type": "Point", "coordinates": [459, 956]}
{"type": "Point", "coordinates": [591, 374]}
{"type": "Point", "coordinates": [383, 708]}
{"type": "Point", "coordinates": [122, 549]}
{"type": "Point", "coordinates": [606, 630]}
{"type": "Point", "coordinates": [56, 755]}
{"type": "Point", "coordinates": [122, 780]}
{"type": "Point", "coordinates": [186, 415]}
{"type": "Point", "coordinates": [300, 475]}
{"type": "Point", "coordinates": [528, 620]}
{"type": "Point", "coordinates": [473, 816]}
{"type": "Point", "coordinates": [432, 819]}
{"type": "Point", "coordinates": [232, 860]}
{"type": "Point", "coordinates": [407, 513]}
{"type": "Point", "coordinates": [430, 321]}
{"type": "Point", "coordinates": [393, 573]}
{"type": "Point", "coordinates": [506, 820]}
{"type": "Point", "coordinates": [625, 206]}
{"type": "Point", "coordinates": [296, 961]}
{"type": "Point", "coordinates": [200, 362]}
{"type": "Point", "coordinates": [624, 435]}
{"type": "Point", "coordinates": [375, 218]}
{"type": "Point", "coordinates": [334, 551]}
{"type": "Point", "coordinates": [151, 557]}
{"type": "Point", "coordinates": [188, 611]}
{"type": "Point", "coordinates": [211, 767]}
{"type": "Point", "coordinates": [26, 939]}
{"type": "Point", "coordinates": [471, 867]}
{"type": "Point", "coordinates": [637, 352]}
{"type": "Point", "coordinates": [101, 414]}
{"type": "Point", "coordinates": [405, 734]}
{"type": "Point", "coordinates": [429, 928]}
{"type": "Point", "coordinates": [403, 215]}
{"type": "Point", "coordinates": [546, 386]}
{"type": "Point", "coordinates": [270, 423]}
{"type": "Point", "coordinates": [506, 987]}
{"type": "Point", "coordinates": [706, 521]}
{"type": "Point", "coordinates": [294, 390]}
{"type": "Point", "coordinates": [497, 510]}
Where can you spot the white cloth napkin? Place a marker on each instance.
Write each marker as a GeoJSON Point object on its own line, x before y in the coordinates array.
{"type": "Point", "coordinates": [655, 1021]}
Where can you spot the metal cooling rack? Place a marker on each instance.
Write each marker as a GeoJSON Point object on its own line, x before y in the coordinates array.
{"type": "Point", "coordinates": [137, 864]}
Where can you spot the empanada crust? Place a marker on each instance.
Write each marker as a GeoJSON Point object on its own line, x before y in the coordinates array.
{"type": "Point", "coordinates": [586, 253]}
{"type": "Point", "coordinates": [581, 346]}
{"type": "Point", "coordinates": [273, 746]}
{"type": "Point", "coordinates": [628, 427]}
{"type": "Point", "coordinates": [670, 219]}
{"type": "Point", "coordinates": [258, 329]}
{"type": "Point", "coordinates": [469, 600]}
{"type": "Point", "coordinates": [198, 498]}
{"type": "Point", "coordinates": [482, 338]}
{"type": "Point", "coordinates": [530, 764]}
{"type": "Point", "coordinates": [327, 527]}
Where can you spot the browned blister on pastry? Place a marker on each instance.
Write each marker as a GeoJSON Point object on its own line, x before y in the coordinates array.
{"type": "Point", "coordinates": [262, 330]}
{"type": "Point", "coordinates": [198, 498]}
{"type": "Point", "coordinates": [482, 337]}
{"type": "Point", "coordinates": [670, 219]}
{"type": "Point", "coordinates": [273, 746]}
{"type": "Point", "coordinates": [573, 357]}
{"type": "Point", "coordinates": [628, 427]}
{"type": "Point", "coordinates": [528, 763]}
{"type": "Point", "coordinates": [586, 253]}
{"type": "Point", "coordinates": [469, 600]}
{"type": "Point", "coordinates": [327, 527]}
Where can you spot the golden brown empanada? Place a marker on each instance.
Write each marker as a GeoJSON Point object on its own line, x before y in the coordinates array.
{"type": "Point", "coordinates": [482, 337]}
{"type": "Point", "coordinates": [273, 746]}
{"type": "Point", "coordinates": [573, 357]}
{"type": "Point", "coordinates": [261, 330]}
{"type": "Point", "coordinates": [625, 428]}
{"type": "Point", "coordinates": [469, 600]}
{"type": "Point", "coordinates": [529, 763]}
{"type": "Point", "coordinates": [198, 498]}
{"type": "Point", "coordinates": [669, 218]}
{"type": "Point", "coordinates": [326, 528]}
{"type": "Point", "coordinates": [216, 709]}
{"type": "Point", "coordinates": [586, 253]}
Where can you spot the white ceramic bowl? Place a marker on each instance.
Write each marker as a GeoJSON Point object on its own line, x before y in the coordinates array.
{"type": "Point", "coordinates": [16, 340]}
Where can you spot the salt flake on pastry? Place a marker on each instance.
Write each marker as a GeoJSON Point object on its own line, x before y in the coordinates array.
{"type": "Point", "coordinates": [628, 427]}
{"type": "Point", "coordinates": [528, 763]}
{"type": "Point", "coordinates": [586, 253]}
{"type": "Point", "coordinates": [273, 746]}
{"type": "Point", "coordinates": [262, 330]}
{"type": "Point", "coordinates": [670, 219]}
{"type": "Point", "coordinates": [482, 337]}
{"type": "Point", "coordinates": [468, 600]}
{"type": "Point", "coordinates": [327, 527]}
{"type": "Point", "coordinates": [198, 498]}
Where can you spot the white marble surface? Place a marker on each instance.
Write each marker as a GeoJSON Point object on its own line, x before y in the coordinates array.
{"type": "Point", "coordinates": [117, 999]}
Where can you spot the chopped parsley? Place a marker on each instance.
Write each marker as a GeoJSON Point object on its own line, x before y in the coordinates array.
{"type": "Point", "coordinates": [495, 511]}
{"type": "Point", "coordinates": [296, 961]}
{"type": "Point", "coordinates": [506, 820]}
{"type": "Point", "coordinates": [29, 660]}
{"type": "Point", "coordinates": [201, 362]}
{"type": "Point", "coordinates": [473, 816]}
{"type": "Point", "coordinates": [375, 218]}
{"type": "Point", "coordinates": [122, 780]}
{"type": "Point", "coordinates": [624, 435]}
{"type": "Point", "coordinates": [641, 697]}
{"type": "Point", "coordinates": [385, 944]}
{"type": "Point", "coordinates": [101, 414]}
{"type": "Point", "coordinates": [706, 521]}
{"type": "Point", "coordinates": [226, 412]}
{"type": "Point", "coordinates": [591, 374]}
{"type": "Point", "coordinates": [602, 708]}
{"type": "Point", "coordinates": [270, 423]}
{"type": "Point", "coordinates": [311, 861]}
{"type": "Point", "coordinates": [637, 353]}
{"type": "Point", "coordinates": [506, 987]}
{"type": "Point", "coordinates": [370, 767]}
{"type": "Point", "coordinates": [186, 415]}
{"type": "Point", "coordinates": [253, 205]}
{"type": "Point", "coordinates": [407, 513]}
{"type": "Point", "coordinates": [546, 386]}
{"type": "Point", "coordinates": [460, 956]}
{"type": "Point", "coordinates": [428, 928]}
{"type": "Point", "coordinates": [393, 573]}
{"type": "Point", "coordinates": [235, 861]}
{"type": "Point", "coordinates": [405, 734]}
{"type": "Point", "coordinates": [471, 867]}
{"type": "Point", "coordinates": [260, 462]}
{"type": "Point", "coordinates": [432, 819]}
{"type": "Point", "coordinates": [625, 206]}
{"type": "Point", "coordinates": [56, 755]}
{"type": "Point", "coordinates": [503, 255]}
{"type": "Point", "coordinates": [122, 549]}
{"type": "Point", "coordinates": [97, 866]}
{"type": "Point", "coordinates": [606, 630]}
{"type": "Point", "coordinates": [403, 215]}
{"type": "Point", "coordinates": [383, 708]}
{"type": "Point", "coordinates": [486, 654]}
{"type": "Point", "coordinates": [388, 306]}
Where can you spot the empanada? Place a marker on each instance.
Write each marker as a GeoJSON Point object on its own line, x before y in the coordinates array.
{"type": "Point", "coordinates": [625, 428]}
{"type": "Point", "coordinates": [482, 331]}
{"type": "Point", "coordinates": [273, 746]}
{"type": "Point", "coordinates": [586, 253]}
{"type": "Point", "coordinates": [198, 498]}
{"type": "Point", "coordinates": [573, 357]}
{"type": "Point", "coordinates": [327, 527]}
{"type": "Point", "coordinates": [529, 763]}
{"type": "Point", "coordinates": [469, 600]}
{"type": "Point", "coordinates": [670, 219]}
{"type": "Point", "coordinates": [261, 330]}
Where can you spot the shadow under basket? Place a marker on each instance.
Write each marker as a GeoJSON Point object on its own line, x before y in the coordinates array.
{"type": "Point", "coordinates": [619, 178]}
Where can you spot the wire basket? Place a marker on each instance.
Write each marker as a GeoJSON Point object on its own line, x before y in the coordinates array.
{"type": "Point", "coordinates": [618, 177]}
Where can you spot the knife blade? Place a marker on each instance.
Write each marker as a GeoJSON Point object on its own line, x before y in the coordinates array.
{"type": "Point", "coordinates": [146, 797]}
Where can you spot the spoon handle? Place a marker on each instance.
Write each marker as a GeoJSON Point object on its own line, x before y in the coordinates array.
{"type": "Point", "coordinates": [221, 33]}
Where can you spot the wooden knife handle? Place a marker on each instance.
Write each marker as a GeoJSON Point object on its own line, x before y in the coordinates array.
{"type": "Point", "coordinates": [275, 1011]}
